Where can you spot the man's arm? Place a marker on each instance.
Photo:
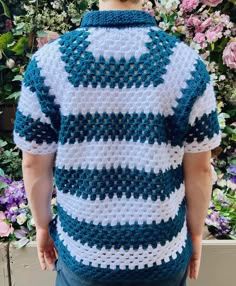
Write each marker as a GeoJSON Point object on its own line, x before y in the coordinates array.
{"type": "Point", "coordinates": [198, 188]}
{"type": "Point", "coordinates": [38, 180]}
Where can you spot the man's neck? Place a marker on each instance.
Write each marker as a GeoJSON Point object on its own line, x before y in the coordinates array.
{"type": "Point", "coordinates": [117, 5]}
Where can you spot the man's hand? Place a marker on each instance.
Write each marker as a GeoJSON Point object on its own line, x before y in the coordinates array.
{"type": "Point", "coordinates": [47, 253]}
{"type": "Point", "coordinates": [194, 264]}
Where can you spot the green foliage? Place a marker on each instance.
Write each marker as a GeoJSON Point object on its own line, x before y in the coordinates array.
{"type": "Point", "coordinates": [5, 9]}
{"type": "Point", "coordinates": [10, 159]}
{"type": "Point", "coordinates": [5, 40]}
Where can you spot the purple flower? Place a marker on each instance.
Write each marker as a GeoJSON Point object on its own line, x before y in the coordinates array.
{"type": "Point", "coordinates": [13, 196]}
{"type": "Point", "coordinates": [233, 179]}
{"type": "Point", "coordinates": [224, 225]}
{"type": "Point", "coordinates": [213, 219]}
{"type": "Point", "coordinates": [232, 169]}
{"type": "Point", "coordinates": [5, 180]}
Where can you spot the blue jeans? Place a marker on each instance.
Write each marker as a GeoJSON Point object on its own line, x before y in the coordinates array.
{"type": "Point", "coordinates": [65, 277]}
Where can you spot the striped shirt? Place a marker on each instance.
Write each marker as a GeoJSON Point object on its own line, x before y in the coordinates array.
{"type": "Point", "coordinates": [119, 101]}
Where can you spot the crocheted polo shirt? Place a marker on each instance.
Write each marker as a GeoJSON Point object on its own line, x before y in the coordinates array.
{"type": "Point", "coordinates": [119, 101]}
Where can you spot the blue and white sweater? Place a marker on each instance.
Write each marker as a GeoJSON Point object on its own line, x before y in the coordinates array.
{"type": "Point", "coordinates": [120, 101]}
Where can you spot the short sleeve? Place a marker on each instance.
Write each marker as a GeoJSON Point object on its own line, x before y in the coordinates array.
{"type": "Point", "coordinates": [37, 115]}
{"type": "Point", "coordinates": [203, 133]}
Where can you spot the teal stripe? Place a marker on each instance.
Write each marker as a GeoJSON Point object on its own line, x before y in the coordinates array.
{"type": "Point", "coordinates": [112, 19]}
{"type": "Point", "coordinates": [95, 183]}
{"type": "Point", "coordinates": [148, 274]}
{"type": "Point", "coordinates": [130, 127]}
{"type": "Point", "coordinates": [84, 69]}
{"type": "Point", "coordinates": [206, 126]}
{"type": "Point", "coordinates": [126, 236]}
{"type": "Point", "coordinates": [195, 88]}
{"type": "Point", "coordinates": [35, 82]}
{"type": "Point", "coordinates": [32, 129]}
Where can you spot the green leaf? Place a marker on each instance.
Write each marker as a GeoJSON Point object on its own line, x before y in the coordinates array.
{"type": "Point", "coordinates": [5, 39]}
{"type": "Point", "coordinates": [8, 87]}
{"type": "Point", "coordinates": [233, 1]}
{"type": "Point", "coordinates": [233, 161]}
{"type": "Point", "coordinates": [2, 172]}
{"type": "Point", "coordinates": [18, 77]}
{"type": "Point", "coordinates": [233, 137]}
{"type": "Point", "coordinates": [229, 130]}
{"type": "Point", "coordinates": [14, 95]}
{"type": "Point", "coordinates": [2, 143]}
{"type": "Point", "coordinates": [3, 185]}
{"type": "Point", "coordinates": [20, 26]}
{"type": "Point", "coordinates": [41, 34]}
{"type": "Point", "coordinates": [19, 47]}
{"type": "Point", "coordinates": [76, 19]}
{"type": "Point", "coordinates": [2, 67]}
{"type": "Point", "coordinates": [29, 226]}
{"type": "Point", "coordinates": [5, 9]}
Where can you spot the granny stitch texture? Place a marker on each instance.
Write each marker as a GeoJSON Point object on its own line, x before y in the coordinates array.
{"type": "Point", "coordinates": [120, 101]}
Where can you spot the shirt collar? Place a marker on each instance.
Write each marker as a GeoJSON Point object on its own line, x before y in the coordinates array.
{"type": "Point", "coordinates": [118, 19]}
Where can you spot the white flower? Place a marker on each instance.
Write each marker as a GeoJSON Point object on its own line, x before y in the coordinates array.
{"type": "Point", "coordinates": [231, 185]}
{"type": "Point", "coordinates": [53, 201]}
{"type": "Point", "coordinates": [221, 121]}
{"type": "Point", "coordinates": [214, 175]}
{"type": "Point", "coordinates": [13, 209]}
{"type": "Point", "coordinates": [10, 63]}
{"type": "Point", "coordinates": [167, 6]}
{"type": "Point", "coordinates": [222, 77]}
{"type": "Point", "coordinates": [32, 222]}
{"type": "Point", "coordinates": [148, 5]}
{"type": "Point", "coordinates": [221, 183]}
{"type": "Point", "coordinates": [22, 206]}
{"type": "Point", "coordinates": [21, 218]}
{"type": "Point", "coordinates": [195, 46]}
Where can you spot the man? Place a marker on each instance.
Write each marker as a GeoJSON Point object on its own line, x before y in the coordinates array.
{"type": "Point", "coordinates": [129, 113]}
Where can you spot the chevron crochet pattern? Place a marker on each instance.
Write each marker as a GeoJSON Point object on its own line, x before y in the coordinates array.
{"type": "Point", "coordinates": [119, 101]}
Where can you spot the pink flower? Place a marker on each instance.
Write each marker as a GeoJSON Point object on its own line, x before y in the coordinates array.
{"type": "Point", "coordinates": [212, 36]}
{"type": "Point", "coordinates": [205, 24]}
{"type": "Point", "coordinates": [229, 55]}
{"type": "Point", "coordinates": [199, 38]}
{"type": "Point", "coordinates": [189, 5]}
{"type": "Point", "coordinates": [44, 40]}
{"type": "Point", "coordinates": [205, 55]}
{"type": "Point", "coordinates": [193, 21]}
{"type": "Point", "coordinates": [211, 3]}
{"type": "Point", "coordinates": [5, 228]}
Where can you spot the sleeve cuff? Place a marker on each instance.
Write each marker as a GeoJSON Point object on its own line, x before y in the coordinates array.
{"type": "Point", "coordinates": [203, 146]}
{"type": "Point", "coordinates": [33, 147]}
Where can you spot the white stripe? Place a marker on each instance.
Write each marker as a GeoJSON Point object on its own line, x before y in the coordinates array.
{"type": "Point", "coordinates": [119, 153]}
{"type": "Point", "coordinates": [118, 43]}
{"type": "Point", "coordinates": [121, 210]}
{"type": "Point", "coordinates": [157, 100]}
{"type": "Point", "coordinates": [29, 105]}
{"type": "Point", "coordinates": [121, 257]}
{"type": "Point", "coordinates": [204, 104]}
{"type": "Point", "coordinates": [33, 147]}
{"type": "Point", "coordinates": [54, 71]}
{"type": "Point", "coordinates": [143, 99]}
{"type": "Point", "coordinates": [206, 145]}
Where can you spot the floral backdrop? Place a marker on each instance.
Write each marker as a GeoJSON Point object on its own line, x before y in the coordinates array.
{"type": "Point", "coordinates": [208, 26]}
